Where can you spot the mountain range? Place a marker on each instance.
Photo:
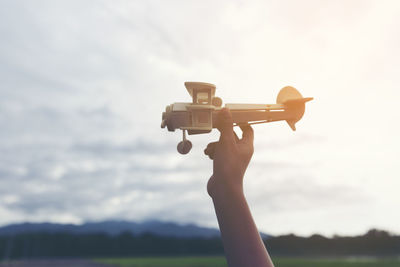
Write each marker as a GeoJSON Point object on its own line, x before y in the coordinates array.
{"type": "Point", "coordinates": [114, 228]}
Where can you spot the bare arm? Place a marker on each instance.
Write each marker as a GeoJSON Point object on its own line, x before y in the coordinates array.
{"type": "Point", "coordinates": [242, 242]}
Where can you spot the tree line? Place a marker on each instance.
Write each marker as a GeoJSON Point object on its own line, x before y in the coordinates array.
{"type": "Point", "coordinates": [64, 245]}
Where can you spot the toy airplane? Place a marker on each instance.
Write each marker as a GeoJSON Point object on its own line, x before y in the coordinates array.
{"type": "Point", "coordinates": [199, 116]}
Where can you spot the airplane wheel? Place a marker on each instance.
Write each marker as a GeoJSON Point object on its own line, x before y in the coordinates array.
{"type": "Point", "coordinates": [184, 147]}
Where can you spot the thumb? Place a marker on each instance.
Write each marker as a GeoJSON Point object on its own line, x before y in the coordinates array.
{"type": "Point", "coordinates": [225, 125]}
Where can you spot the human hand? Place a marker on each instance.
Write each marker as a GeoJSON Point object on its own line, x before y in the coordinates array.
{"type": "Point", "coordinates": [230, 156]}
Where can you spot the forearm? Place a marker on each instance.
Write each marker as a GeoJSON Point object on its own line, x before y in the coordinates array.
{"type": "Point", "coordinates": [242, 242]}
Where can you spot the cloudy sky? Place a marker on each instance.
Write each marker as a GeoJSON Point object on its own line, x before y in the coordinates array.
{"type": "Point", "coordinates": [83, 85]}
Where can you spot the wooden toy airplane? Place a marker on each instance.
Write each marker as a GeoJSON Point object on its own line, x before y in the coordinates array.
{"type": "Point", "coordinates": [199, 116]}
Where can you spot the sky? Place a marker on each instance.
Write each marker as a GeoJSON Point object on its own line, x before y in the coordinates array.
{"type": "Point", "coordinates": [83, 85]}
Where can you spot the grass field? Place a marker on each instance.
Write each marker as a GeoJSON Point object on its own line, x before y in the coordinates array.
{"type": "Point", "coordinates": [220, 262]}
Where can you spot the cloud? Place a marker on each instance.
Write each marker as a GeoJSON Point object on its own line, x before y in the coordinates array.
{"type": "Point", "coordinates": [83, 85]}
{"type": "Point", "coordinates": [127, 180]}
{"type": "Point", "coordinates": [136, 147]}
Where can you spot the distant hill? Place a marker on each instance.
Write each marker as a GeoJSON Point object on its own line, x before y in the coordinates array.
{"type": "Point", "coordinates": [114, 228]}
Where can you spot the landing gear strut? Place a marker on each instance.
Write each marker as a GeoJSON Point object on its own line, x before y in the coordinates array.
{"type": "Point", "coordinates": [185, 145]}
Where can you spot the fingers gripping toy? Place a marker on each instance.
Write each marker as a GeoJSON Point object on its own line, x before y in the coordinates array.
{"type": "Point", "coordinates": [199, 116]}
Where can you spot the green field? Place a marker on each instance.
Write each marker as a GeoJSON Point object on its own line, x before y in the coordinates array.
{"type": "Point", "coordinates": [220, 262]}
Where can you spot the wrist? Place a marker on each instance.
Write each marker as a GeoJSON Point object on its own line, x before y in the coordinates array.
{"type": "Point", "coordinates": [225, 187]}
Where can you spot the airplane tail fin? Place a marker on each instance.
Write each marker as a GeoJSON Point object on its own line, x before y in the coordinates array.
{"type": "Point", "coordinates": [294, 102]}
{"type": "Point", "coordinates": [292, 124]}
